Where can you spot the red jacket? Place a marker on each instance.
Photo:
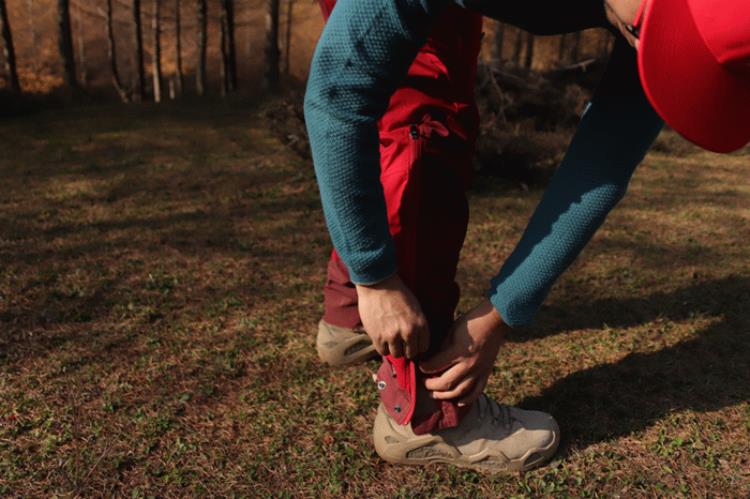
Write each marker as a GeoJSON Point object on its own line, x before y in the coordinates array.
{"type": "Point", "coordinates": [441, 79]}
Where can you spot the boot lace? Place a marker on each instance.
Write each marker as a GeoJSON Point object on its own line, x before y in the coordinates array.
{"type": "Point", "coordinates": [499, 413]}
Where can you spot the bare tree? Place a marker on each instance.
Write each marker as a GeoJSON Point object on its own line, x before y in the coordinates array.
{"type": "Point", "coordinates": [112, 52]}
{"type": "Point", "coordinates": [562, 55]}
{"type": "Point", "coordinates": [140, 91]}
{"type": "Point", "coordinates": [576, 49]}
{"type": "Point", "coordinates": [65, 41]}
{"type": "Point", "coordinates": [272, 45]}
{"type": "Point", "coordinates": [81, 47]}
{"type": "Point", "coordinates": [228, 48]}
{"type": "Point", "coordinates": [9, 53]}
{"type": "Point", "coordinates": [288, 36]}
{"type": "Point", "coordinates": [529, 60]}
{"type": "Point", "coordinates": [200, 68]}
{"type": "Point", "coordinates": [156, 63]}
{"type": "Point", "coordinates": [224, 61]}
{"type": "Point", "coordinates": [32, 29]}
{"type": "Point", "coordinates": [518, 49]}
{"type": "Point", "coordinates": [178, 48]}
{"type": "Point", "coordinates": [570, 52]}
{"type": "Point", "coordinates": [497, 47]}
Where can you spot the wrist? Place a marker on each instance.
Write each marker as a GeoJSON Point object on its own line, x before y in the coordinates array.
{"type": "Point", "coordinates": [391, 282]}
{"type": "Point", "coordinates": [490, 314]}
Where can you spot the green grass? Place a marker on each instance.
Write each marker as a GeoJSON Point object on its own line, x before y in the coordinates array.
{"type": "Point", "coordinates": [160, 275]}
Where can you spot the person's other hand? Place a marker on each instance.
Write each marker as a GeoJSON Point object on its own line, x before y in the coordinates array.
{"type": "Point", "coordinates": [393, 319]}
{"type": "Point", "coordinates": [621, 14]}
{"type": "Point", "coordinates": [467, 359]}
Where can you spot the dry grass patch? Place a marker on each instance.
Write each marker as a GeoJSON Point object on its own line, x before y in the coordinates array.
{"type": "Point", "coordinates": [160, 274]}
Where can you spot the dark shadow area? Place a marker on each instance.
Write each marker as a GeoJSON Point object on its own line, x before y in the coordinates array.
{"type": "Point", "coordinates": [703, 374]}
{"type": "Point", "coordinates": [221, 194]}
{"type": "Point", "coordinates": [720, 297]}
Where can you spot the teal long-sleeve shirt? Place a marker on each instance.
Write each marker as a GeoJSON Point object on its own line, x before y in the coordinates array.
{"type": "Point", "coordinates": [363, 55]}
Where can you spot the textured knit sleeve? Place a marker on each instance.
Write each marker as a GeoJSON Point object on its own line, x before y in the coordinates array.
{"type": "Point", "coordinates": [364, 52]}
{"type": "Point", "coordinates": [612, 139]}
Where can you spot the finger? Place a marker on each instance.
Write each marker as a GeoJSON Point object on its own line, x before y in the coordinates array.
{"type": "Point", "coordinates": [440, 361]}
{"type": "Point", "coordinates": [632, 40]}
{"type": "Point", "coordinates": [381, 347]}
{"type": "Point", "coordinates": [475, 393]}
{"type": "Point", "coordinates": [462, 390]}
{"type": "Point", "coordinates": [448, 380]}
{"type": "Point", "coordinates": [396, 348]}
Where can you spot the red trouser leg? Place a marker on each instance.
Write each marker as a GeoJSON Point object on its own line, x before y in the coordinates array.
{"type": "Point", "coordinates": [424, 176]}
{"type": "Point", "coordinates": [340, 296]}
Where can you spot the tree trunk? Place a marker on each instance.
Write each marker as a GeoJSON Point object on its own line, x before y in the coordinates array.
{"type": "Point", "coordinates": [140, 91]}
{"type": "Point", "coordinates": [228, 50]}
{"type": "Point", "coordinates": [81, 48]}
{"type": "Point", "coordinates": [178, 81]}
{"type": "Point", "coordinates": [66, 43]}
{"type": "Point", "coordinates": [9, 53]}
{"type": "Point", "coordinates": [497, 47]}
{"type": "Point", "coordinates": [200, 68]}
{"type": "Point", "coordinates": [231, 46]}
{"type": "Point", "coordinates": [32, 31]}
{"type": "Point", "coordinates": [562, 55]}
{"type": "Point", "coordinates": [112, 52]}
{"type": "Point", "coordinates": [517, 50]}
{"type": "Point", "coordinates": [288, 41]}
{"type": "Point", "coordinates": [529, 61]}
{"type": "Point", "coordinates": [156, 63]}
{"type": "Point", "coordinates": [576, 51]}
{"type": "Point", "coordinates": [272, 45]}
{"type": "Point", "coordinates": [224, 59]}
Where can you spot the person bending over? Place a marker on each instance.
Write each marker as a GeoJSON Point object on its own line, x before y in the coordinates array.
{"type": "Point", "coordinates": [386, 223]}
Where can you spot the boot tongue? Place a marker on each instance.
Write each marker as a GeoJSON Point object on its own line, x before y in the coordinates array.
{"type": "Point", "coordinates": [488, 408]}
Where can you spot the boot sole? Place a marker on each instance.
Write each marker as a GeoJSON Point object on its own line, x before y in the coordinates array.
{"type": "Point", "coordinates": [442, 453]}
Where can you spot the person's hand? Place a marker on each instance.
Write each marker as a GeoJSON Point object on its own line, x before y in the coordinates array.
{"type": "Point", "coordinates": [468, 357]}
{"type": "Point", "coordinates": [621, 14]}
{"type": "Point", "coordinates": [393, 319]}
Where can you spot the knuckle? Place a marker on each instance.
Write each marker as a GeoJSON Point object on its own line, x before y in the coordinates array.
{"type": "Point", "coordinates": [445, 385]}
{"type": "Point", "coordinates": [437, 385]}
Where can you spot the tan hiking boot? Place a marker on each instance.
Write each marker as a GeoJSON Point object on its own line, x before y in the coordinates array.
{"type": "Point", "coordinates": [492, 437]}
{"type": "Point", "coordinates": [339, 346]}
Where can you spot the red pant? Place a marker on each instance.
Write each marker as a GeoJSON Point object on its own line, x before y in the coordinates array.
{"type": "Point", "coordinates": [424, 175]}
{"type": "Point", "coordinates": [426, 145]}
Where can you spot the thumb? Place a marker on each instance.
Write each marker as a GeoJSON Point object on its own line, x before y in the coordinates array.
{"type": "Point", "coordinates": [447, 356]}
{"type": "Point", "coordinates": [439, 362]}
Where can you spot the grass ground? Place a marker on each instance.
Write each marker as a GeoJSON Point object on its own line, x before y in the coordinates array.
{"type": "Point", "coordinates": [160, 276]}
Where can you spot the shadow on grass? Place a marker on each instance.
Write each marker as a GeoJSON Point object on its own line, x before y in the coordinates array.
{"type": "Point", "coordinates": [721, 297]}
{"type": "Point", "coordinates": [703, 374]}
